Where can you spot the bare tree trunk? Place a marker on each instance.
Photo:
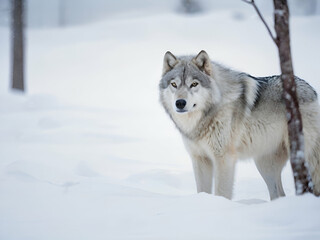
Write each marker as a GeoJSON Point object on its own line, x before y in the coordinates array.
{"type": "Point", "coordinates": [17, 49]}
{"type": "Point", "coordinates": [301, 174]}
{"type": "Point", "coordinates": [302, 178]}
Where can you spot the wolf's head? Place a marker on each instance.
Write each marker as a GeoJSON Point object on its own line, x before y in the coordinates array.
{"type": "Point", "coordinates": [188, 90]}
{"type": "Point", "coordinates": [187, 84]}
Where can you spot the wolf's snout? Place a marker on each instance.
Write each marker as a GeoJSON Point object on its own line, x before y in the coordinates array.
{"type": "Point", "coordinates": [181, 103]}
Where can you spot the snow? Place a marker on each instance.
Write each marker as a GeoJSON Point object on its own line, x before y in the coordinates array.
{"type": "Point", "coordinates": [279, 12]}
{"type": "Point", "coordinates": [88, 152]}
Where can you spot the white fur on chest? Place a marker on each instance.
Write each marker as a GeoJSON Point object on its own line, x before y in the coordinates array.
{"type": "Point", "coordinates": [187, 122]}
{"type": "Point", "coordinates": [214, 139]}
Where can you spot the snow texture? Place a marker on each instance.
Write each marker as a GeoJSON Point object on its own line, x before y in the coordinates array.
{"type": "Point", "coordinates": [88, 152]}
{"type": "Point", "coordinates": [278, 12]}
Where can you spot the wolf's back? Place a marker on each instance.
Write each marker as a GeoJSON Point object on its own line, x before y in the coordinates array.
{"type": "Point", "coordinates": [270, 89]}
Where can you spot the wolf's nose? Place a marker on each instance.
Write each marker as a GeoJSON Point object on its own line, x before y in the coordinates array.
{"type": "Point", "coordinates": [181, 103]}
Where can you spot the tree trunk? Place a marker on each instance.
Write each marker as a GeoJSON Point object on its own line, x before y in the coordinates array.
{"type": "Point", "coordinates": [62, 13]}
{"type": "Point", "coordinates": [17, 50]}
{"type": "Point", "coordinates": [301, 174]}
{"type": "Point", "coordinates": [191, 6]}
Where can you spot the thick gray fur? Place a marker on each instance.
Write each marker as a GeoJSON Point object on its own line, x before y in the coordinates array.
{"type": "Point", "coordinates": [231, 115]}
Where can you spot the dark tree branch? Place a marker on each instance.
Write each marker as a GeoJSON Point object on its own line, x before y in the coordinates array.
{"type": "Point", "coordinates": [251, 2]}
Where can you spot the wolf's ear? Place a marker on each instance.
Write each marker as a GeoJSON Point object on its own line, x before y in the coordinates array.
{"type": "Point", "coordinates": [202, 61]}
{"type": "Point", "coordinates": [169, 62]}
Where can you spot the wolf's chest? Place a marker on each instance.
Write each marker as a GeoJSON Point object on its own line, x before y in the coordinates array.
{"type": "Point", "coordinates": [215, 138]}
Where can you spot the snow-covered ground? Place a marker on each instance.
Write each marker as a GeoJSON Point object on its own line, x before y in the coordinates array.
{"type": "Point", "coordinates": [88, 152]}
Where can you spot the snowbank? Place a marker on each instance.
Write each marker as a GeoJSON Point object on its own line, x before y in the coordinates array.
{"type": "Point", "coordinates": [88, 152]}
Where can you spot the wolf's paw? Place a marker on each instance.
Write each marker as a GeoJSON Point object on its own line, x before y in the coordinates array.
{"type": "Point", "coordinates": [316, 190]}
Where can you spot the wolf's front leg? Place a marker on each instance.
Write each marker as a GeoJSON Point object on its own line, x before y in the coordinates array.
{"type": "Point", "coordinates": [203, 172]}
{"type": "Point", "coordinates": [224, 176]}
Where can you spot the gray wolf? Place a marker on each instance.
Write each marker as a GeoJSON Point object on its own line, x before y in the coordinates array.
{"type": "Point", "coordinates": [224, 115]}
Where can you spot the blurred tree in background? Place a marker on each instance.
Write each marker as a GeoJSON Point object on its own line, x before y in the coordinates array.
{"type": "Point", "coordinates": [17, 45]}
{"type": "Point", "coordinates": [190, 6]}
{"type": "Point", "coordinates": [304, 7]}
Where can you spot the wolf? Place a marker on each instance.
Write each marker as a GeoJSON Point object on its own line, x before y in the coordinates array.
{"type": "Point", "coordinates": [224, 115]}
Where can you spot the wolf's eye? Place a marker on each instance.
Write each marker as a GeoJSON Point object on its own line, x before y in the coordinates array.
{"type": "Point", "coordinates": [194, 84]}
{"type": "Point", "coordinates": [174, 84]}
